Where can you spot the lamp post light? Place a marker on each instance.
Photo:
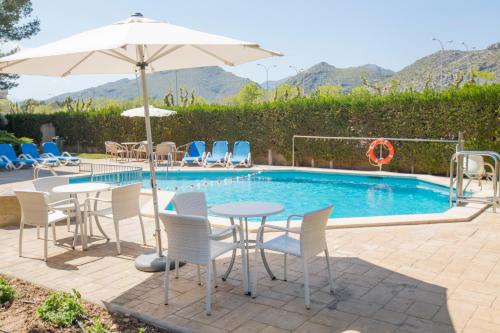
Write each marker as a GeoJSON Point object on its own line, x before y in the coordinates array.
{"type": "Point", "coordinates": [440, 57]}
{"type": "Point", "coordinates": [267, 68]}
{"type": "Point", "coordinates": [470, 56]}
{"type": "Point", "coordinates": [298, 71]}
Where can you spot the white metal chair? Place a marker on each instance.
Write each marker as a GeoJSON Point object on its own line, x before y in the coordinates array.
{"type": "Point", "coordinates": [475, 169]}
{"type": "Point", "coordinates": [37, 211]}
{"type": "Point", "coordinates": [189, 241]}
{"type": "Point", "coordinates": [165, 151]}
{"type": "Point", "coordinates": [115, 150]}
{"type": "Point", "coordinates": [125, 204]}
{"type": "Point", "coordinates": [311, 241]}
{"type": "Point", "coordinates": [46, 184]}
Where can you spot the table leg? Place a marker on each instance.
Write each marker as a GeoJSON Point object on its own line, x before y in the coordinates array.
{"type": "Point", "coordinates": [263, 255]}
{"type": "Point", "coordinates": [247, 247]}
{"type": "Point", "coordinates": [90, 221]}
{"type": "Point", "coordinates": [233, 257]}
{"type": "Point", "coordinates": [97, 219]}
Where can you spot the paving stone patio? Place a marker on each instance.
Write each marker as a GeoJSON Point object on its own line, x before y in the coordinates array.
{"type": "Point", "coordinates": [420, 278]}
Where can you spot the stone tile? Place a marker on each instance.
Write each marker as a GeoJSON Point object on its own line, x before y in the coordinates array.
{"type": "Point", "coordinates": [399, 304]}
{"type": "Point", "coordinates": [309, 327]}
{"type": "Point", "coordinates": [422, 310]}
{"type": "Point", "coordinates": [370, 325]}
{"type": "Point", "coordinates": [334, 318]}
{"type": "Point", "coordinates": [280, 318]}
{"type": "Point", "coordinates": [357, 307]}
{"type": "Point", "coordinates": [391, 317]}
{"type": "Point", "coordinates": [250, 326]}
{"type": "Point", "coordinates": [240, 315]}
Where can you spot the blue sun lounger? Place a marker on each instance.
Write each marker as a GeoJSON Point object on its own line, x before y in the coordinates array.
{"type": "Point", "coordinates": [219, 154]}
{"type": "Point", "coordinates": [29, 151]}
{"type": "Point", "coordinates": [8, 155]}
{"type": "Point", "coordinates": [240, 155]}
{"type": "Point", "coordinates": [51, 150]}
{"type": "Point", "coordinates": [4, 164]}
{"type": "Point", "coordinates": [195, 154]}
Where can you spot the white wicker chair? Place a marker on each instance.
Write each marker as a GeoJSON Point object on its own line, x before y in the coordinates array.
{"type": "Point", "coordinates": [124, 204]}
{"type": "Point", "coordinates": [311, 241]}
{"type": "Point", "coordinates": [37, 211]}
{"type": "Point", "coordinates": [189, 241]}
{"type": "Point", "coordinates": [46, 184]}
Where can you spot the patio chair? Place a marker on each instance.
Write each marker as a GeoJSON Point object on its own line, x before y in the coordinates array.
{"type": "Point", "coordinates": [29, 151]}
{"type": "Point", "coordinates": [46, 184]}
{"type": "Point", "coordinates": [37, 211]}
{"type": "Point", "coordinates": [219, 154]}
{"type": "Point", "coordinates": [51, 149]}
{"type": "Point", "coordinates": [311, 241]}
{"type": "Point", "coordinates": [125, 204]}
{"type": "Point", "coordinates": [4, 165]}
{"type": "Point", "coordinates": [240, 155]}
{"type": "Point", "coordinates": [8, 155]}
{"type": "Point", "coordinates": [140, 149]}
{"type": "Point", "coordinates": [195, 154]}
{"type": "Point", "coordinates": [165, 151]}
{"type": "Point", "coordinates": [195, 204]}
{"type": "Point", "coordinates": [475, 169]}
{"type": "Point", "coordinates": [115, 150]}
{"type": "Point", "coordinates": [189, 241]}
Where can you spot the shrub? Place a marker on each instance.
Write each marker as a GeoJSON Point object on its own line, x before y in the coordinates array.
{"type": "Point", "coordinates": [7, 292]}
{"type": "Point", "coordinates": [6, 137]}
{"type": "Point", "coordinates": [96, 326]}
{"type": "Point", "coordinates": [61, 308]}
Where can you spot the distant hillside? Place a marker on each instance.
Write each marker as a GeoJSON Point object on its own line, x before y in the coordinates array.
{"type": "Point", "coordinates": [323, 73]}
{"type": "Point", "coordinates": [454, 62]}
{"type": "Point", "coordinates": [211, 83]}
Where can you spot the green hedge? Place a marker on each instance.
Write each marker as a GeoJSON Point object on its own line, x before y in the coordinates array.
{"type": "Point", "coordinates": [474, 110]}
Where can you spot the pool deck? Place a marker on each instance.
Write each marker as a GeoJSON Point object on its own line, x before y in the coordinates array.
{"type": "Point", "coordinates": [409, 278]}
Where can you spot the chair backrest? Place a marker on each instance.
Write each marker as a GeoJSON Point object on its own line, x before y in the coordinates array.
{"type": "Point", "coordinates": [34, 207]}
{"type": "Point", "coordinates": [125, 201]}
{"type": "Point", "coordinates": [30, 149]}
{"type": "Point", "coordinates": [110, 146]}
{"type": "Point", "coordinates": [46, 184]}
{"type": "Point", "coordinates": [165, 148]}
{"type": "Point", "coordinates": [196, 148]}
{"type": "Point", "coordinates": [241, 148]}
{"type": "Point", "coordinates": [190, 203]}
{"type": "Point", "coordinates": [220, 148]}
{"type": "Point", "coordinates": [188, 238]}
{"type": "Point", "coordinates": [313, 239]}
{"type": "Point", "coordinates": [7, 150]}
{"type": "Point", "coordinates": [51, 148]}
{"type": "Point", "coordinates": [474, 165]}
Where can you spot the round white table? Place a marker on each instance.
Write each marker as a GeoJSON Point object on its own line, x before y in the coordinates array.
{"type": "Point", "coordinates": [82, 188]}
{"type": "Point", "coordinates": [243, 211]}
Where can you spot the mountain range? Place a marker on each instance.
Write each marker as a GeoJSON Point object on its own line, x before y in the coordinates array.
{"type": "Point", "coordinates": [214, 83]}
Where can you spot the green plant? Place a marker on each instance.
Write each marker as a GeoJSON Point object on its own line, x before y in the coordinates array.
{"type": "Point", "coordinates": [96, 326]}
{"type": "Point", "coordinates": [6, 137]}
{"type": "Point", "coordinates": [7, 292]}
{"type": "Point", "coordinates": [141, 330]}
{"type": "Point", "coordinates": [61, 308]}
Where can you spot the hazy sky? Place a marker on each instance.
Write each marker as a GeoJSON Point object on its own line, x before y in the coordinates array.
{"type": "Point", "coordinates": [389, 33]}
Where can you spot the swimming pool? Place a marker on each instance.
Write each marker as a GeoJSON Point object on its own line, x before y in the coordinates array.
{"type": "Point", "coordinates": [301, 191]}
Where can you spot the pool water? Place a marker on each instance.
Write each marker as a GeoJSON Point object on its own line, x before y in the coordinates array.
{"type": "Point", "coordinates": [300, 192]}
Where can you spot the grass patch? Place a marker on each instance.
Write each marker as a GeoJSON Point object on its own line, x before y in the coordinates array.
{"type": "Point", "coordinates": [92, 156]}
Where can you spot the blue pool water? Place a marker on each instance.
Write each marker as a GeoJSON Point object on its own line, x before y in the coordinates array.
{"type": "Point", "coordinates": [299, 192]}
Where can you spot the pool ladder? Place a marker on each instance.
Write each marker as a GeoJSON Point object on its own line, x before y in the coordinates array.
{"type": "Point", "coordinates": [457, 162]}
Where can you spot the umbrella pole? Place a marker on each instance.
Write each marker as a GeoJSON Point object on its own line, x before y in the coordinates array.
{"type": "Point", "coordinates": [150, 262]}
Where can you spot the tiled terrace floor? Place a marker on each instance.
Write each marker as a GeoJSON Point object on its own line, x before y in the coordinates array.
{"type": "Point", "coordinates": [422, 278]}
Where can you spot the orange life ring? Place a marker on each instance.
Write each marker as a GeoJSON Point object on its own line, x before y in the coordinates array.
{"type": "Point", "coordinates": [371, 151]}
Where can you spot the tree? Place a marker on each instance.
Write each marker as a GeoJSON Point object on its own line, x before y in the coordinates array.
{"type": "Point", "coordinates": [328, 90]}
{"type": "Point", "coordinates": [16, 23]}
{"type": "Point", "coordinates": [250, 93]}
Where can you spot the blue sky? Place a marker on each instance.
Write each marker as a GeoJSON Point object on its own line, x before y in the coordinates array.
{"type": "Point", "coordinates": [389, 33]}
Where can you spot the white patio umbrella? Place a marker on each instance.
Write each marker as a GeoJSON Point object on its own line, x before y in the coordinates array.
{"type": "Point", "coordinates": [153, 112]}
{"type": "Point", "coordinates": [134, 44]}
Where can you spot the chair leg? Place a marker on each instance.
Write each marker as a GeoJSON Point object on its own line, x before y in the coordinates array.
{"type": "Point", "coordinates": [45, 242]}
{"type": "Point", "coordinates": [68, 220]}
{"type": "Point", "coordinates": [21, 229]}
{"type": "Point", "coordinates": [199, 274]}
{"type": "Point", "coordinates": [284, 267]}
{"type": "Point", "coordinates": [54, 233]}
{"type": "Point", "coordinates": [165, 281]}
{"type": "Point", "coordinates": [306, 283]}
{"type": "Point", "coordinates": [254, 275]}
{"type": "Point", "coordinates": [330, 280]}
{"type": "Point", "coordinates": [208, 291]}
{"type": "Point", "coordinates": [117, 233]}
{"type": "Point", "coordinates": [176, 269]}
{"type": "Point", "coordinates": [214, 268]}
{"type": "Point", "coordinates": [142, 230]}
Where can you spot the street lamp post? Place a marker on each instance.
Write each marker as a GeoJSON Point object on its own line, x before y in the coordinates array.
{"type": "Point", "coordinates": [470, 56]}
{"type": "Point", "coordinates": [301, 79]}
{"type": "Point", "coordinates": [440, 57]}
{"type": "Point", "coordinates": [267, 68]}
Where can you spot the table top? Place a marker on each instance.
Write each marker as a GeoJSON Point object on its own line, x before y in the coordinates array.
{"type": "Point", "coordinates": [81, 188]}
{"type": "Point", "coordinates": [128, 143]}
{"type": "Point", "coordinates": [247, 209]}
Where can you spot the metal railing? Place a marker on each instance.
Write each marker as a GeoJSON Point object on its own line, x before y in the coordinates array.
{"type": "Point", "coordinates": [459, 142]}
{"type": "Point", "coordinates": [112, 173]}
{"type": "Point", "coordinates": [459, 164]}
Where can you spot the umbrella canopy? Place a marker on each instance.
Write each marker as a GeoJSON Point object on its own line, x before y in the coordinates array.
{"type": "Point", "coordinates": [113, 49]}
{"type": "Point", "coordinates": [153, 112]}
{"type": "Point", "coordinates": [128, 46]}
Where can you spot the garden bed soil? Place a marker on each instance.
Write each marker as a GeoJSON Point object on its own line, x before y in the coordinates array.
{"type": "Point", "coordinates": [21, 317]}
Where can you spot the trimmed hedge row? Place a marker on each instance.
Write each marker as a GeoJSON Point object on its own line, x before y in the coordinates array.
{"type": "Point", "coordinates": [474, 110]}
